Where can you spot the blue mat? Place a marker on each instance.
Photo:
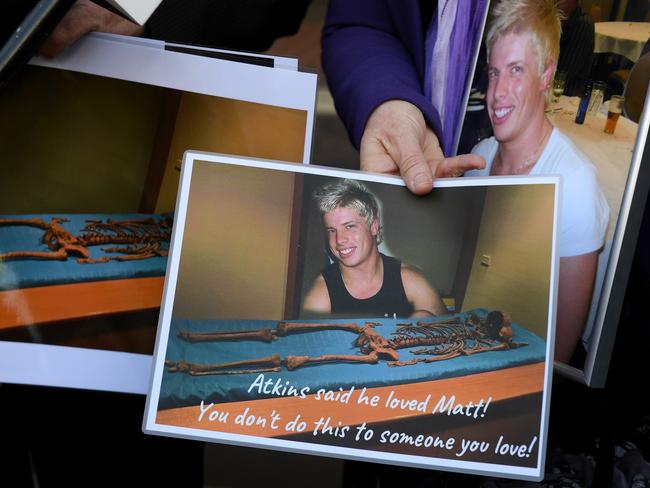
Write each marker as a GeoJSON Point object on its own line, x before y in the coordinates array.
{"type": "Point", "coordinates": [181, 389]}
{"type": "Point", "coordinates": [31, 273]}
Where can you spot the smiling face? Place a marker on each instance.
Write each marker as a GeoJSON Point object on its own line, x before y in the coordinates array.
{"type": "Point", "coordinates": [516, 91]}
{"type": "Point", "coordinates": [351, 240]}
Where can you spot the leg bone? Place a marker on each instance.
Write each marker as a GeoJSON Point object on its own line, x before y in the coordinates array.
{"type": "Point", "coordinates": [265, 335]}
{"type": "Point", "coordinates": [271, 363]}
{"type": "Point", "coordinates": [293, 362]}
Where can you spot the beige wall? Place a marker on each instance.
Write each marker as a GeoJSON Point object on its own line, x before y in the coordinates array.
{"type": "Point", "coordinates": [78, 143]}
{"type": "Point", "coordinates": [236, 244]}
{"type": "Point", "coordinates": [515, 231]}
{"type": "Point", "coordinates": [222, 125]}
{"type": "Point", "coordinates": [75, 143]}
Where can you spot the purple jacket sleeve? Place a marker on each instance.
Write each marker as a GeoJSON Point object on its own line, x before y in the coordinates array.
{"type": "Point", "coordinates": [373, 51]}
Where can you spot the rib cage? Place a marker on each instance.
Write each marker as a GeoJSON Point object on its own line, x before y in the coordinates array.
{"type": "Point", "coordinates": [139, 239]}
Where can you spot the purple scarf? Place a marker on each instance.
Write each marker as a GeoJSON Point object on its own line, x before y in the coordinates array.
{"type": "Point", "coordinates": [452, 62]}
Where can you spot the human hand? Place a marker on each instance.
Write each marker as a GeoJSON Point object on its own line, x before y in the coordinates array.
{"type": "Point", "coordinates": [397, 140]}
{"type": "Point", "coordinates": [85, 16]}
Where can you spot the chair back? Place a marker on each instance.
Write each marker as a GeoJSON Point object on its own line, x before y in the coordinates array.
{"type": "Point", "coordinates": [637, 87]}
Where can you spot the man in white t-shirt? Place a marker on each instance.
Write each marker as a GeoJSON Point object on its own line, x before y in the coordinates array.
{"type": "Point", "coordinates": [523, 47]}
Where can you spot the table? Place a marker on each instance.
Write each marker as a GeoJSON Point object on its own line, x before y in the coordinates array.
{"type": "Point", "coordinates": [516, 407]}
{"type": "Point", "coordinates": [51, 304]}
{"type": "Point", "coordinates": [610, 153]}
{"type": "Point", "coordinates": [624, 38]}
{"type": "Point", "coordinates": [501, 385]}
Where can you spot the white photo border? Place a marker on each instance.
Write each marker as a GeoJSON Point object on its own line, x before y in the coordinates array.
{"type": "Point", "coordinates": [143, 62]}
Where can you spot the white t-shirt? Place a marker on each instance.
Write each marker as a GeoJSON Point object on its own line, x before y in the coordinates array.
{"type": "Point", "coordinates": [584, 214]}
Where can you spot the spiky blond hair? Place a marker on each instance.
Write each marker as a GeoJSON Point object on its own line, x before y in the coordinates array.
{"type": "Point", "coordinates": [350, 194]}
{"type": "Point", "coordinates": [539, 18]}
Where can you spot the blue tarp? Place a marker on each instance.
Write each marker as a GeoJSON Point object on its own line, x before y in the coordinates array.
{"type": "Point", "coordinates": [30, 273]}
{"type": "Point", "coordinates": [181, 389]}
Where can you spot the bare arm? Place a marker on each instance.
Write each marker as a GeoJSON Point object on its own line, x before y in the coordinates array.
{"type": "Point", "coordinates": [577, 274]}
{"type": "Point", "coordinates": [425, 299]}
{"type": "Point", "coordinates": [317, 300]}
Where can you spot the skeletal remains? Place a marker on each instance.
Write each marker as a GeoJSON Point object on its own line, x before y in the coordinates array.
{"type": "Point", "coordinates": [137, 239]}
{"type": "Point", "coordinates": [437, 340]}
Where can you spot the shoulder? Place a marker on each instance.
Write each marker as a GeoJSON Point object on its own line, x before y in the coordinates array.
{"type": "Point", "coordinates": [564, 157]}
{"type": "Point", "coordinates": [414, 282]}
{"type": "Point", "coordinates": [584, 212]}
{"type": "Point", "coordinates": [421, 295]}
{"type": "Point", "coordinates": [563, 142]}
{"type": "Point", "coordinates": [485, 147]}
{"type": "Point", "coordinates": [579, 175]}
{"type": "Point", "coordinates": [412, 277]}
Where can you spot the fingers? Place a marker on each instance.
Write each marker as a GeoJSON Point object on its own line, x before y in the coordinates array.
{"type": "Point", "coordinates": [78, 21]}
{"type": "Point", "coordinates": [398, 154]}
{"type": "Point", "coordinates": [397, 139]}
{"type": "Point", "coordinates": [84, 17]}
{"type": "Point", "coordinates": [394, 140]}
{"type": "Point", "coordinates": [374, 157]}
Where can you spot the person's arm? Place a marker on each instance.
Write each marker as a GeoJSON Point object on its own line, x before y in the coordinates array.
{"type": "Point", "coordinates": [373, 56]}
{"type": "Point", "coordinates": [584, 218]}
{"type": "Point", "coordinates": [372, 52]}
{"type": "Point", "coordinates": [425, 299]}
{"type": "Point", "coordinates": [576, 285]}
{"type": "Point", "coordinates": [317, 300]}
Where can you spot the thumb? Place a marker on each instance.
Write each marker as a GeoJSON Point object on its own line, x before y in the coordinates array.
{"type": "Point", "coordinates": [413, 166]}
{"type": "Point", "coordinates": [457, 165]}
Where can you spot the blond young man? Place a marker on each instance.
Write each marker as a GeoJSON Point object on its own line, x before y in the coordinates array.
{"type": "Point", "coordinates": [362, 281]}
{"type": "Point", "coordinates": [523, 42]}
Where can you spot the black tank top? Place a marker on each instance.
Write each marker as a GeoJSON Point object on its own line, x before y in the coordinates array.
{"type": "Point", "coordinates": [389, 300]}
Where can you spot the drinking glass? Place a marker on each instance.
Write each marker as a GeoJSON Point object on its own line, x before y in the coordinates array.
{"type": "Point", "coordinates": [558, 85]}
{"type": "Point", "coordinates": [614, 112]}
{"type": "Point", "coordinates": [597, 95]}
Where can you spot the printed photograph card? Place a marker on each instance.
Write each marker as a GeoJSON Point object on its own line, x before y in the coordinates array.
{"type": "Point", "coordinates": [334, 313]}
{"type": "Point", "coordinates": [92, 147]}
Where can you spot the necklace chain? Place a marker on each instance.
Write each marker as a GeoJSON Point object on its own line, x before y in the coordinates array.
{"type": "Point", "coordinates": [530, 159]}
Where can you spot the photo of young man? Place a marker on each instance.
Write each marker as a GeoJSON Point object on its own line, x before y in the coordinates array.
{"type": "Point", "coordinates": [362, 281]}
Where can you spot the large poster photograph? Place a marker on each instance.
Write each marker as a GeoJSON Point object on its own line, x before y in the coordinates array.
{"type": "Point", "coordinates": [330, 312]}
{"type": "Point", "coordinates": [584, 125]}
